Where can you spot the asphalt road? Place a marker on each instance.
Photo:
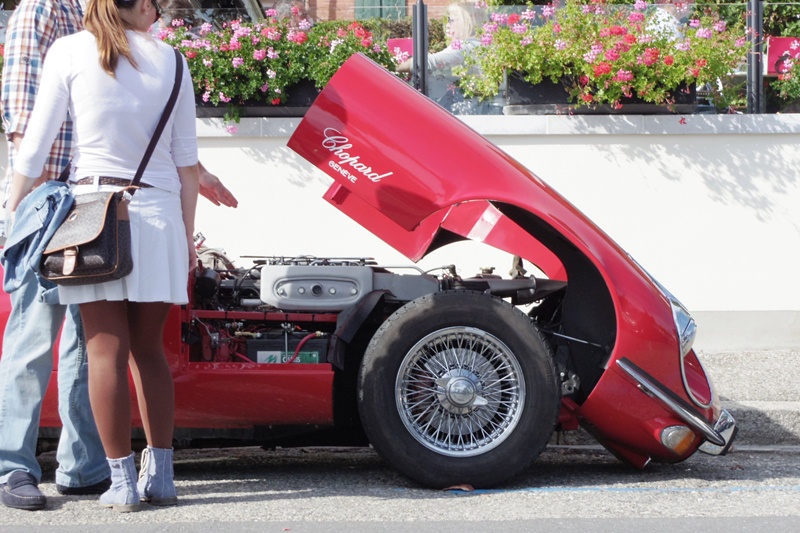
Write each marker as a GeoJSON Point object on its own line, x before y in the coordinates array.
{"type": "Point", "coordinates": [346, 490]}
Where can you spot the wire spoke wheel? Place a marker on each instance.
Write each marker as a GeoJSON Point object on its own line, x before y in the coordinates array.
{"type": "Point", "coordinates": [460, 391]}
{"type": "Point", "coordinates": [458, 387]}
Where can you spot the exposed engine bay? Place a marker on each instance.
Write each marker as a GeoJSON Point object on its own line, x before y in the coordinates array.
{"type": "Point", "coordinates": [287, 309]}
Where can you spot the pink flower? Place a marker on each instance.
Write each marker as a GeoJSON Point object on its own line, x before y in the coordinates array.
{"type": "Point", "coordinates": [223, 98]}
{"type": "Point", "coordinates": [500, 18]}
{"type": "Point", "coordinates": [636, 17]}
{"type": "Point", "coordinates": [297, 37]}
{"type": "Point", "coordinates": [271, 33]}
{"type": "Point", "coordinates": [623, 75]}
{"type": "Point", "coordinates": [259, 55]}
{"type": "Point", "coordinates": [206, 96]}
{"type": "Point", "coordinates": [232, 129]}
{"type": "Point", "coordinates": [265, 87]}
{"type": "Point", "coordinates": [271, 13]}
{"type": "Point", "coordinates": [177, 22]}
{"type": "Point", "coordinates": [237, 62]}
{"type": "Point", "coordinates": [704, 33]}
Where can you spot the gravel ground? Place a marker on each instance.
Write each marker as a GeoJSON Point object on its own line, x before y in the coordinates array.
{"type": "Point", "coordinates": [290, 487]}
{"type": "Point", "coordinates": [762, 375]}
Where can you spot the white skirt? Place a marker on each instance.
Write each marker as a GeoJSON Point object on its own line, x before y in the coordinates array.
{"type": "Point", "coordinates": [158, 248]}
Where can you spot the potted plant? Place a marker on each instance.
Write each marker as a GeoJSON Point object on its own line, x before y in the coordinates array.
{"type": "Point", "coordinates": [603, 54]}
{"type": "Point", "coordinates": [256, 65]}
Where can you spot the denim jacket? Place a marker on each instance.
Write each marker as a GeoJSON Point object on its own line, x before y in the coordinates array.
{"type": "Point", "coordinates": [38, 216]}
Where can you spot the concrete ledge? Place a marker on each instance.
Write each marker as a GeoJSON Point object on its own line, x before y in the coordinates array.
{"type": "Point", "coordinates": [746, 330]}
{"type": "Point", "coordinates": [494, 125]}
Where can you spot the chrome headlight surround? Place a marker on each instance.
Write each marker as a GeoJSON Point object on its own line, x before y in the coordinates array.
{"type": "Point", "coordinates": [686, 330]}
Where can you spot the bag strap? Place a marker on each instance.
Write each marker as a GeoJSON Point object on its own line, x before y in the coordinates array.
{"type": "Point", "coordinates": [162, 122]}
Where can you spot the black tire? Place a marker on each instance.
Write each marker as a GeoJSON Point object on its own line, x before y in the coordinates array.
{"type": "Point", "coordinates": [458, 387]}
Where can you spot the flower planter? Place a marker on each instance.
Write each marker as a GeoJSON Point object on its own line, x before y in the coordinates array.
{"type": "Point", "coordinates": [548, 98]}
{"type": "Point", "coordinates": [299, 98]}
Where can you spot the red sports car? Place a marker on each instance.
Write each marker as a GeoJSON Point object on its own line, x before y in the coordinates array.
{"type": "Point", "coordinates": [453, 380]}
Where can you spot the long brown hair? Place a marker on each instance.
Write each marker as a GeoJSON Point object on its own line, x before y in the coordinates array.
{"type": "Point", "coordinates": [103, 20]}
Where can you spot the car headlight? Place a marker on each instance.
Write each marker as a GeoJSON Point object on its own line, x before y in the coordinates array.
{"type": "Point", "coordinates": [684, 325]}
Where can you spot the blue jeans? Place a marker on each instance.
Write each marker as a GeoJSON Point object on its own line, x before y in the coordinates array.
{"type": "Point", "coordinates": [25, 369]}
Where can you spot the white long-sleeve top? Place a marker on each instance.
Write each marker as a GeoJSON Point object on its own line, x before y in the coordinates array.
{"type": "Point", "coordinates": [114, 118]}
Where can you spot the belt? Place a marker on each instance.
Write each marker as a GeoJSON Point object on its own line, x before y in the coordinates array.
{"type": "Point", "coordinates": [107, 180]}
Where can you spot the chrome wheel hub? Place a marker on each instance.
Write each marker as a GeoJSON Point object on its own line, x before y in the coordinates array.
{"type": "Point", "coordinates": [460, 391]}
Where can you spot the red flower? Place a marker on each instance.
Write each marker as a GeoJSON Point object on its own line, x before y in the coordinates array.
{"type": "Point", "coordinates": [583, 80]}
{"type": "Point", "coordinates": [275, 101]}
{"type": "Point", "coordinates": [513, 18]}
{"type": "Point", "coordinates": [669, 60]}
{"type": "Point", "coordinates": [630, 38]}
{"type": "Point", "coordinates": [191, 54]}
{"type": "Point", "coordinates": [650, 56]}
{"type": "Point", "coordinates": [586, 97]}
{"type": "Point", "coordinates": [602, 68]}
{"type": "Point", "coordinates": [701, 63]}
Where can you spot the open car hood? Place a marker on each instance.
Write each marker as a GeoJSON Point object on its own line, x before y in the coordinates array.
{"type": "Point", "coordinates": [418, 177]}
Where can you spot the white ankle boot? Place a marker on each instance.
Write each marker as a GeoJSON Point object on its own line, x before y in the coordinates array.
{"type": "Point", "coordinates": [123, 496]}
{"type": "Point", "coordinates": [156, 480]}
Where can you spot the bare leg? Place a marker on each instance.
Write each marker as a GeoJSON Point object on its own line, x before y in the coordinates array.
{"type": "Point", "coordinates": [151, 373]}
{"type": "Point", "coordinates": [107, 342]}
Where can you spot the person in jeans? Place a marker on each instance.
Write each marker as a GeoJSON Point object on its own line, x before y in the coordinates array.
{"type": "Point", "coordinates": [32, 328]}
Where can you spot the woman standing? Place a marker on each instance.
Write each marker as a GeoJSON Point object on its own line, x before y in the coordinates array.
{"type": "Point", "coordinates": [114, 79]}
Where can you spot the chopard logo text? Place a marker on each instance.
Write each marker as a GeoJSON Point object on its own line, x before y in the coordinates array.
{"type": "Point", "coordinates": [349, 166]}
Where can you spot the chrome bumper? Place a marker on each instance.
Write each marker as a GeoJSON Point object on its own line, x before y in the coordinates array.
{"type": "Point", "coordinates": [718, 438]}
{"type": "Point", "coordinates": [726, 427]}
